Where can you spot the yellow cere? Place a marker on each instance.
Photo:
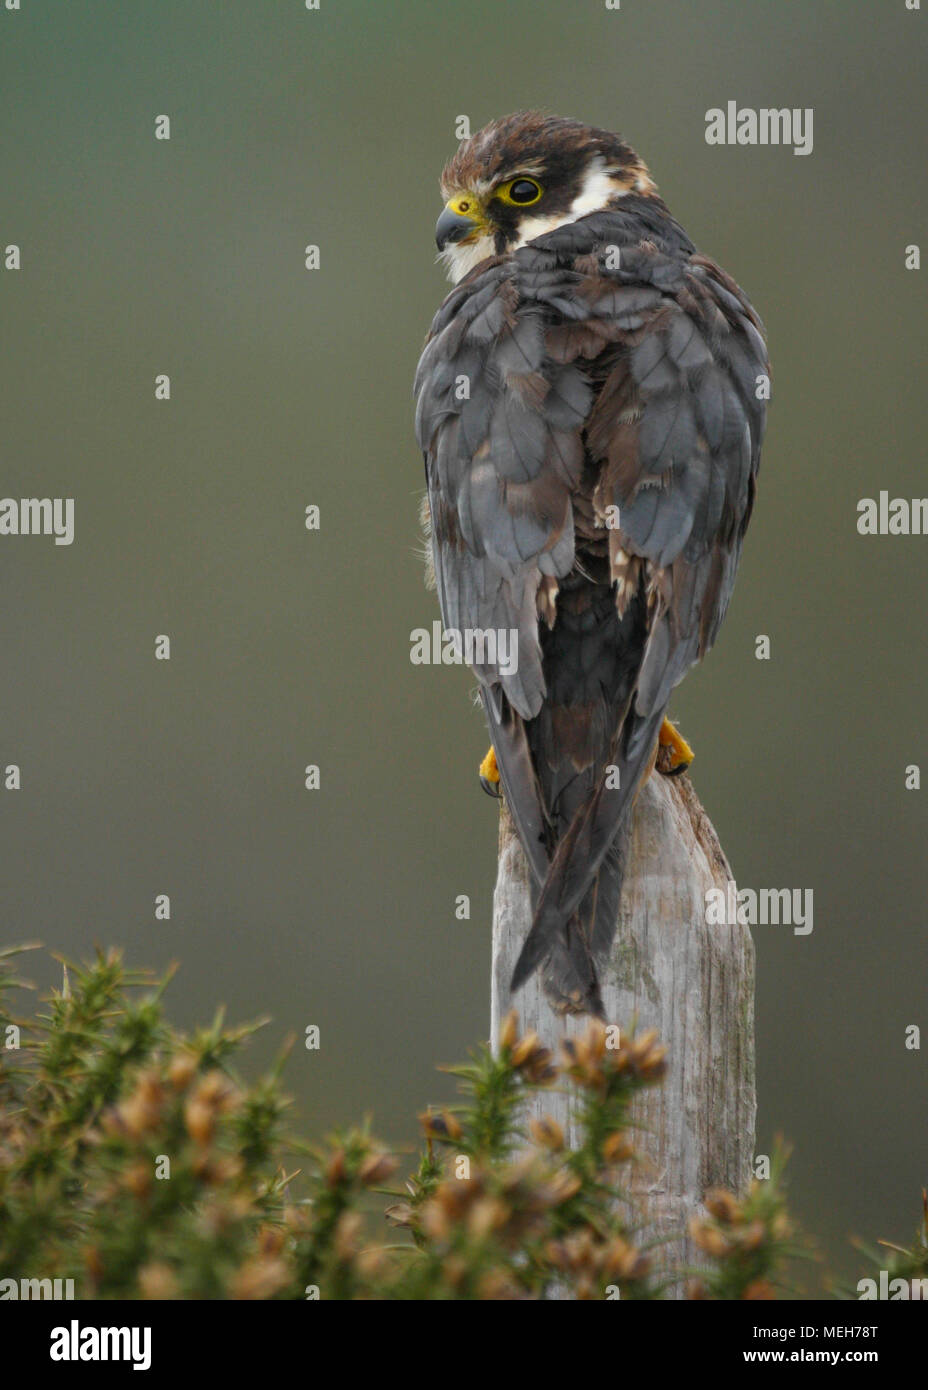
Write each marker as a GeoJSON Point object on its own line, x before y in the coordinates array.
{"type": "Point", "coordinates": [465, 205]}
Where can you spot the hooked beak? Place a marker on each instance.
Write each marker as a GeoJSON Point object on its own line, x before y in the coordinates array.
{"type": "Point", "coordinates": [454, 226]}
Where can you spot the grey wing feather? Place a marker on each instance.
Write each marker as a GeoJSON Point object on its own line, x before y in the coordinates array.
{"type": "Point", "coordinates": [498, 424]}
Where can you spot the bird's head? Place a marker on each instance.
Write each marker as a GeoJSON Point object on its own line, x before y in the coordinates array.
{"type": "Point", "coordinates": [524, 175]}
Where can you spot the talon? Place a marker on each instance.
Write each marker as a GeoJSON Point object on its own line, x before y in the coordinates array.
{"type": "Point", "coordinates": [674, 754]}
{"type": "Point", "coordinates": [489, 775]}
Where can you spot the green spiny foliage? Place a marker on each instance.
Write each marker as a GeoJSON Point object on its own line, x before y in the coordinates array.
{"type": "Point", "coordinates": [903, 1270]}
{"type": "Point", "coordinates": [137, 1161]}
{"type": "Point", "coordinates": [750, 1241]}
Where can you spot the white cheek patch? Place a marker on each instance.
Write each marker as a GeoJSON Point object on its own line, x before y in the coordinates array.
{"type": "Point", "coordinates": [460, 258]}
{"type": "Point", "coordinates": [532, 227]}
{"type": "Point", "coordinates": [599, 188]}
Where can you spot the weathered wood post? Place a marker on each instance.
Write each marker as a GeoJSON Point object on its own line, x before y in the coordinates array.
{"type": "Point", "coordinates": [669, 970]}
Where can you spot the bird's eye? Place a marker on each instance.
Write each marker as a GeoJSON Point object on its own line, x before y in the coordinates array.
{"type": "Point", "coordinates": [521, 192]}
{"type": "Point", "coordinates": [524, 191]}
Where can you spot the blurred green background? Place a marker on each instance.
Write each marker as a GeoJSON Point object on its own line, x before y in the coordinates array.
{"type": "Point", "coordinates": [292, 387]}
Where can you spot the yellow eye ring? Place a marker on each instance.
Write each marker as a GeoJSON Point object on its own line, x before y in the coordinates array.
{"type": "Point", "coordinates": [521, 192]}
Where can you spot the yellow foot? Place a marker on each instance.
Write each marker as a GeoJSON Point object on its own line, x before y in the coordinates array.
{"type": "Point", "coordinates": [674, 754]}
{"type": "Point", "coordinates": [489, 774]}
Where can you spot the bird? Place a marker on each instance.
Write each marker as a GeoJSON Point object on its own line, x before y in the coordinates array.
{"type": "Point", "coordinates": [590, 406]}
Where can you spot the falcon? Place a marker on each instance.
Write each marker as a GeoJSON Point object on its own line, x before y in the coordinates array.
{"type": "Point", "coordinates": [590, 404]}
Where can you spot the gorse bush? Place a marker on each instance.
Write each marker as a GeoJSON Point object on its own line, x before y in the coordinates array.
{"type": "Point", "coordinates": [136, 1161]}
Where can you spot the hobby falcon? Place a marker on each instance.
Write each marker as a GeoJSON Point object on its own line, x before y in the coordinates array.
{"type": "Point", "coordinates": [590, 404]}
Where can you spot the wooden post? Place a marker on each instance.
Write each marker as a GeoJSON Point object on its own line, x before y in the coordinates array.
{"type": "Point", "coordinates": [669, 970]}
